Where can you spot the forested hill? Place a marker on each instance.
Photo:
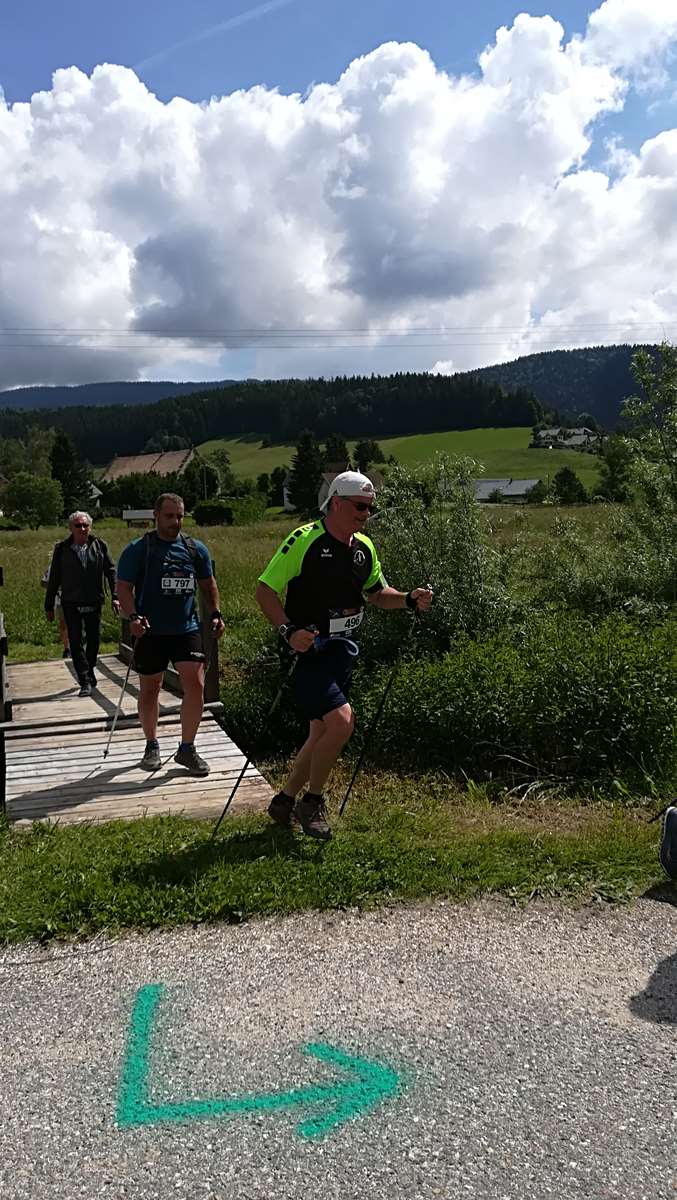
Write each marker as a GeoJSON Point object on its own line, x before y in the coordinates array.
{"type": "Point", "coordinates": [86, 394]}
{"type": "Point", "coordinates": [375, 406]}
{"type": "Point", "coordinates": [594, 380]}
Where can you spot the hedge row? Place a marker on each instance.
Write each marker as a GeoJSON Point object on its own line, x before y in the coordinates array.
{"type": "Point", "coordinates": [563, 698]}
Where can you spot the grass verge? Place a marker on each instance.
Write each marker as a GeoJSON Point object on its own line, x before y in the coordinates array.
{"type": "Point", "coordinates": [164, 872]}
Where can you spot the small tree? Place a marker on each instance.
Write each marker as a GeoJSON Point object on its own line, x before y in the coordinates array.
{"type": "Point", "coordinates": [335, 449]}
{"type": "Point", "coordinates": [538, 494]}
{"type": "Point", "coordinates": [567, 487]}
{"type": "Point", "coordinates": [495, 496]}
{"type": "Point", "coordinates": [277, 478]}
{"type": "Point", "coordinates": [306, 473]}
{"type": "Point", "coordinates": [70, 471]}
{"type": "Point", "coordinates": [615, 469]}
{"type": "Point", "coordinates": [219, 458]}
{"type": "Point", "coordinates": [34, 500]}
{"type": "Point", "coordinates": [39, 444]}
{"type": "Point", "coordinates": [367, 451]}
{"type": "Point", "coordinates": [199, 481]}
{"type": "Point", "coordinates": [263, 484]}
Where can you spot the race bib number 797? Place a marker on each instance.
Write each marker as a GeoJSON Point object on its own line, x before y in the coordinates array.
{"type": "Point", "coordinates": [177, 586]}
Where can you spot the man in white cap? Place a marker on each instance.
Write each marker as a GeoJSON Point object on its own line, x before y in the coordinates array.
{"type": "Point", "coordinates": [327, 568]}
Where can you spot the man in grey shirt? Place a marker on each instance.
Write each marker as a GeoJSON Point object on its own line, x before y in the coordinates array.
{"type": "Point", "coordinates": [79, 564]}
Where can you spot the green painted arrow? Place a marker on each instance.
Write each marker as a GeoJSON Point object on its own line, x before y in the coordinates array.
{"type": "Point", "coordinates": [370, 1083]}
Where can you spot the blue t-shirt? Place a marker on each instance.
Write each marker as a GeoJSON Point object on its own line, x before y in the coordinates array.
{"type": "Point", "coordinates": [167, 596]}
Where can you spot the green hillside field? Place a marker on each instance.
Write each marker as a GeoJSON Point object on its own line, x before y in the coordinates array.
{"type": "Point", "coordinates": [504, 453]}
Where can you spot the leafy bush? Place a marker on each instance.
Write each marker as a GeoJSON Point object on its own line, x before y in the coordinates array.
{"type": "Point", "coordinates": [248, 509]}
{"type": "Point", "coordinates": [432, 531]}
{"type": "Point", "coordinates": [563, 697]}
{"type": "Point", "coordinates": [213, 512]}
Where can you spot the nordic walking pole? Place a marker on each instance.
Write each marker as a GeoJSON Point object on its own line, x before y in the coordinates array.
{"type": "Point", "coordinates": [247, 761]}
{"type": "Point", "coordinates": [122, 693]}
{"type": "Point", "coordinates": [377, 717]}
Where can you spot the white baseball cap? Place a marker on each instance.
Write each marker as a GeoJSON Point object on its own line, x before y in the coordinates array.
{"type": "Point", "coordinates": [349, 483]}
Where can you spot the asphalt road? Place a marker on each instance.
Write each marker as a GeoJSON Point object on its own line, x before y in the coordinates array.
{"type": "Point", "coordinates": [476, 1051]}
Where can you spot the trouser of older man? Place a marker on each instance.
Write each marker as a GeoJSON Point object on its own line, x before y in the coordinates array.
{"type": "Point", "coordinates": [84, 637]}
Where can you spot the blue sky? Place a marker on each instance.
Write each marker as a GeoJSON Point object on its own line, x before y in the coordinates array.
{"type": "Point", "coordinates": [289, 47]}
{"type": "Point", "coordinates": [461, 209]}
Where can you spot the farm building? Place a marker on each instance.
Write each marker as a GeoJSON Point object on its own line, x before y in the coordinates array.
{"type": "Point", "coordinates": [166, 462]}
{"type": "Point", "coordinates": [511, 490]}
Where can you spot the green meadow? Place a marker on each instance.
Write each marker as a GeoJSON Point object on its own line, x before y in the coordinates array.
{"type": "Point", "coordinates": [504, 453]}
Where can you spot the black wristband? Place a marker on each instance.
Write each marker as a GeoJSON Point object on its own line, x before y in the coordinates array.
{"type": "Point", "coordinates": [409, 600]}
{"type": "Point", "coordinates": [133, 617]}
{"type": "Point", "coordinates": [291, 630]}
{"type": "Point", "coordinates": [217, 614]}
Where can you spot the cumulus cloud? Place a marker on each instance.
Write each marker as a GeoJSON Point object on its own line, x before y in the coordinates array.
{"type": "Point", "coordinates": [397, 218]}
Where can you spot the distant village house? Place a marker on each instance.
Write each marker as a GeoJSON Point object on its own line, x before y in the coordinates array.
{"type": "Point", "coordinates": [560, 438]}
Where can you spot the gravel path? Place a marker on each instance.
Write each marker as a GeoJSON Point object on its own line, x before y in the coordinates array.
{"type": "Point", "coordinates": [535, 1052]}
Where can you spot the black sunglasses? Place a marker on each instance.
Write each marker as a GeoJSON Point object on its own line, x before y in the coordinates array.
{"type": "Point", "coordinates": [360, 505]}
{"type": "Point", "coordinates": [80, 525]}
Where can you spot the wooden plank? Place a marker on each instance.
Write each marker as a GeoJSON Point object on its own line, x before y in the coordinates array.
{"type": "Point", "coordinates": [61, 776]}
{"type": "Point", "coordinates": [252, 794]}
{"type": "Point", "coordinates": [68, 766]}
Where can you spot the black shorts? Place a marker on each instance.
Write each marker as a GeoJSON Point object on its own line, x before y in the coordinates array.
{"type": "Point", "coordinates": [154, 651]}
{"type": "Point", "coordinates": [321, 680]}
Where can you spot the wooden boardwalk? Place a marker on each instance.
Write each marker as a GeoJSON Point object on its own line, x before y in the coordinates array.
{"type": "Point", "coordinates": [54, 757]}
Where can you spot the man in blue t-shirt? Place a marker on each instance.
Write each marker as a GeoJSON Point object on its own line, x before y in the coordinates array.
{"type": "Point", "coordinates": [157, 578]}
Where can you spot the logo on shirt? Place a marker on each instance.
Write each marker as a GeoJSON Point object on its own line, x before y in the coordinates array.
{"type": "Point", "coordinates": [326, 552]}
{"type": "Point", "coordinates": [359, 558]}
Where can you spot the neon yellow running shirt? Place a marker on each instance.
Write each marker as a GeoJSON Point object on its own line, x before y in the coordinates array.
{"type": "Point", "coordinates": [323, 577]}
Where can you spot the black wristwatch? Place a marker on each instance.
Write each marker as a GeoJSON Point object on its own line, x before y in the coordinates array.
{"type": "Point", "coordinates": [217, 615]}
{"type": "Point", "coordinates": [409, 600]}
{"type": "Point", "coordinates": [133, 617]}
{"type": "Point", "coordinates": [286, 631]}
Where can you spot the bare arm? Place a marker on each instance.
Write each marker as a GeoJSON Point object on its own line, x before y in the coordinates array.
{"type": "Point", "coordinates": [389, 598]}
{"type": "Point", "coordinates": [126, 597]}
{"type": "Point", "coordinates": [271, 607]}
{"type": "Point", "coordinates": [210, 596]}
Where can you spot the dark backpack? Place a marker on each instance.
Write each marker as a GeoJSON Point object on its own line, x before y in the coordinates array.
{"type": "Point", "coordinates": [150, 544]}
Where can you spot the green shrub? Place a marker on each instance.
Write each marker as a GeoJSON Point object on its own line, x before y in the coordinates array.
{"type": "Point", "coordinates": [560, 698]}
{"type": "Point", "coordinates": [248, 509]}
{"type": "Point", "coordinates": [563, 697]}
{"type": "Point", "coordinates": [213, 512]}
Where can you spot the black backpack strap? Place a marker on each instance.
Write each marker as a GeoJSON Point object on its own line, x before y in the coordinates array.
{"type": "Point", "coordinates": [150, 541]}
{"type": "Point", "coordinates": [189, 543]}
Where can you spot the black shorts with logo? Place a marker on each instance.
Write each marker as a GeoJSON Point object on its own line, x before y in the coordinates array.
{"type": "Point", "coordinates": [321, 679]}
{"type": "Point", "coordinates": [154, 651]}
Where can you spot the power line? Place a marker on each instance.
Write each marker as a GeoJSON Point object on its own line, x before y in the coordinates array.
{"type": "Point", "coordinates": [363, 331]}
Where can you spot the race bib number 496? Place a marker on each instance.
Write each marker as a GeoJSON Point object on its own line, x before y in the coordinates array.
{"type": "Point", "coordinates": [343, 624]}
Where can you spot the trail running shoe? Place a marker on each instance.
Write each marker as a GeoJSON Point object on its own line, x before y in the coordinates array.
{"type": "Point", "coordinates": [311, 812]}
{"type": "Point", "coordinates": [151, 760]}
{"type": "Point", "coordinates": [85, 689]}
{"type": "Point", "coordinates": [280, 809]}
{"type": "Point", "coordinates": [668, 849]}
{"type": "Point", "coordinates": [192, 760]}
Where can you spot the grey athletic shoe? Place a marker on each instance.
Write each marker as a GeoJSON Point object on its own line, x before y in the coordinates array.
{"type": "Point", "coordinates": [668, 849]}
{"type": "Point", "coordinates": [280, 810]}
{"type": "Point", "coordinates": [192, 760]}
{"type": "Point", "coordinates": [311, 812]}
{"type": "Point", "coordinates": [151, 760]}
{"type": "Point", "coordinates": [85, 689]}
